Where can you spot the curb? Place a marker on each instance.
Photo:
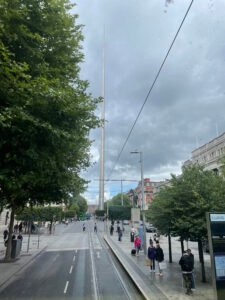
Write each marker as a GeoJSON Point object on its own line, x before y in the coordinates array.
{"type": "Point", "coordinates": [23, 266]}
{"type": "Point", "coordinates": [127, 271]}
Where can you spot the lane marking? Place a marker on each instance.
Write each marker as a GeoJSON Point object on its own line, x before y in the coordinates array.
{"type": "Point", "coordinates": [98, 254]}
{"type": "Point", "coordinates": [54, 259]}
{"type": "Point", "coordinates": [66, 249]}
{"type": "Point", "coordinates": [71, 269]}
{"type": "Point", "coordinates": [94, 277]}
{"type": "Point", "coordinates": [74, 258]}
{"type": "Point", "coordinates": [66, 287]}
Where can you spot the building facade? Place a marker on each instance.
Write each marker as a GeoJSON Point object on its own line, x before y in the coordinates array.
{"type": "Point", "coordinates": [209, 155]}
{"type": "Point", "coordinates": [150, 189]}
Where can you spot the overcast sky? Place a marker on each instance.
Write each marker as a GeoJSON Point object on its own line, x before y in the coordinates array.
{"type": "Point", "coordinates": [187, 105]}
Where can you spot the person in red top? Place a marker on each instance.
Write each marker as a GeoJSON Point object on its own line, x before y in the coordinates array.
{"type": "Point", "coordinates": [137, 244]}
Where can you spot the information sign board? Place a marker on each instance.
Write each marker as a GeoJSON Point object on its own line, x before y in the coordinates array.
{"type": "Point", "coordinates": [216, 238]}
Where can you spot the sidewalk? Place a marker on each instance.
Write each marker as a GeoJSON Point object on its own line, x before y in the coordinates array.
{"type": "Point", "coordinates": [155, 287]}
{"type": "Point", "coordinates": [36, 246]}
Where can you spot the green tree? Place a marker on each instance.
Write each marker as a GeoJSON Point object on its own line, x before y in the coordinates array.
{"type": "Point", "coordinates": [82, 204]}
{"type": "Point", "coordinates": [45, 111]}
{"type": "Point", "coordinates": [40, 214]}
{"type": "Point", "coordinates": [117, 200]}
{"type": "Point", "coordinates": [182, 206]}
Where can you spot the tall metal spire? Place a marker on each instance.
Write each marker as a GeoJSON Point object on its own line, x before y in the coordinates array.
{"type": "Point", "coordinates": [102, 147]}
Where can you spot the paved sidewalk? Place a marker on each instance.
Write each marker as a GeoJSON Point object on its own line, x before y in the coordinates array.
{"type": "Point", "coordinates": [155, 287]}
{"type": "Point", "coordinates": [37, 244]}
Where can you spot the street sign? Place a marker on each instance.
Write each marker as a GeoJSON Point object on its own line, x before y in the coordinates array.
{"type": "Point", "coordinates": [216, 236]}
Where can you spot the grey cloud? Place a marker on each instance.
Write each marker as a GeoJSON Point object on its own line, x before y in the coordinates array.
{"type": "Point", "coordinates": [188, 99]}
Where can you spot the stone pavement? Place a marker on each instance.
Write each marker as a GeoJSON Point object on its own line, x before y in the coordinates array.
{"type": "Point", "coordinates": [169, 286]}
{"type": "Point", "coordinates": [37, 244]}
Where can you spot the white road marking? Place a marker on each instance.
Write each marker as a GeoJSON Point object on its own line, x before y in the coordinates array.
{"type": "Point", "coordinates": [71, 269]}
{"type": "Point", "coordinates": [98, 254]}
{"type": "Point", "coordinates": [66, 287]}
{"type": "Point", "coordinates": [74, 258]}
{"type": "Point", "coordinates": [57, 255]}
{"type": "Point", "coordinates": [93, 271]}
{"type": "Point", "coordinates": [65, 249]}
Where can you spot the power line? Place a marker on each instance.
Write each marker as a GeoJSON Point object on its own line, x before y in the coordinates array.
{"type": "Point", "coordinates": [152, 86]}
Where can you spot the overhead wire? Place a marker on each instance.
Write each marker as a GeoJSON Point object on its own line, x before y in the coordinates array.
{"type": "Point", "coordinates": [152, 86]}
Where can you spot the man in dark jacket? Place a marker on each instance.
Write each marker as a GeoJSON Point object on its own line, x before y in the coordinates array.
{"type": "Point", "coordinates": [159, 257]}
{"type": "Point", "coordinates": [187, 263]}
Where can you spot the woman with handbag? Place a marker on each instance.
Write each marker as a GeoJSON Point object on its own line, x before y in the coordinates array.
{"type": "Point", "coordinates": [137, 244]}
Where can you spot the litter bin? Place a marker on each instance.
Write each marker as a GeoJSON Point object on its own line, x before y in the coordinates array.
{"type": "Point", "coordinates": [16, 248]}
{"type": "Point", "coordinates": [132, 237]}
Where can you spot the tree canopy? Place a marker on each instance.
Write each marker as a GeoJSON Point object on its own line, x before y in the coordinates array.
{"type": "Point", "coordinates": [181, 207]}
{"type": "Point", "coordinates": [46, 113]}
{"type": "Point", "coordinates": [117, 200]}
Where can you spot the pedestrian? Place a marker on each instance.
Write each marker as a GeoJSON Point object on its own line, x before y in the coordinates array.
{"type": "Point", "coordinates": [84, 227]}
{"type": "Point", "coordinates": [132, 234]}
{"type": "Point", "coordinates": [150, 241]}
{"type": "Point", "coordinates": [95, 228]}
{"type": "Point", "coordinates": [186, 263]}
{"type": "Point", "coordinates": [16, 228]}
{"type": "Point", "coordinates": [120, 234]}
{"type": "Point", "coordinates": [159, 258]}
{"type": "Point", "coordinates": [32, 228]}
{"type": "Point", "coordinates": [118, 226]}
{"type": "Point", "coordinates": [152, 256]}
{"type": "Point", "coordinates": [20, 227]}
{"type": "Point", "coordinates": [137, 244]}
{"type": "Point", "coordinates": [5, 234]}
{"type": "Point", "coordinates": [192, 274]}
{"type": "Point", "coordinates": [111, 229]}
{"type": "Point", "coordinates": [155, 238]}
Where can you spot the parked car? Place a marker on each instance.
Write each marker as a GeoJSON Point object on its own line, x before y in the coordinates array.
{"type": "Point", "coordinates": [126, 222]}
{"type": "Point", "coordinates": [150, 228]}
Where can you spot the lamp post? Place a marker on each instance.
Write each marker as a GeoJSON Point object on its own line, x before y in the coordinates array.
{"type": "Point", "coordinates": [142, 196]}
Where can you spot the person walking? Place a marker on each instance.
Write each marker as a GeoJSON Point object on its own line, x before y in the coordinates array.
{"type": "Point", "coordinates": [120, 234]}
{"type": "Point", "coordinates": [16, 228]}
{"type": "Point", "coordinates": [152, 256]}
{"type": "Point", "coordinates": [95, 228]}
{"type": "Point", "coordinates": [159, 258]}
{"type": "Point", "coordinates": [111, 229]}
{"type": "Point", "coordinates": [20, 227]}
{"type": "Point", "coordinates": [84, 227]}
{"type": "Point", "coordinates": [192, 274]}
{"type": "Point", "coordinates": [5, 236]}
{"type": "Point", "coordinates": [137, 244]}
{"type": "Point", "coordinates": [186, 262]}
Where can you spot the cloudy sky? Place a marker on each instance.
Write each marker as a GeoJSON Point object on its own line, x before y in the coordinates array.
{"type": "Point", "coordinates": [186, 107]}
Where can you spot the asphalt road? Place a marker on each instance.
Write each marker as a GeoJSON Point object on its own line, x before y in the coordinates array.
{"type": "Point", "coordinates": [76, 265]}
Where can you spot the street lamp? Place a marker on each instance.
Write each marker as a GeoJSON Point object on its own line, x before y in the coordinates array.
{"type": "Point", "coordinates": [142, 179]}
{"type": "Point", "coordinates": [142, 196]}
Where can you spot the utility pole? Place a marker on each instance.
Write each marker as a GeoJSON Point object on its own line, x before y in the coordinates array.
{"type": "Point", "coordinates": [143, 199]}
{"type": "Point", "coordinates": [121, 192]}
{"type": "Point", "coordinates": [102, 148]}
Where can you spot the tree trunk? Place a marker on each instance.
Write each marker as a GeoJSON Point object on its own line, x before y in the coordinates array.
{"type": "Point", "coordinates": [182, 245]}
{"type": "Point", "coordinates": [170, 249]}
{"type": "Point", "coordinates": [201, 256]}
{"type": "Point", "coordinates": [9, 243]}
{"type": "Point", "coordinates": [50, 227]}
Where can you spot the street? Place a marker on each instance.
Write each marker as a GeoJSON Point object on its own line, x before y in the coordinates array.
{"type": "Point", "coordinates": [75, 265]}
